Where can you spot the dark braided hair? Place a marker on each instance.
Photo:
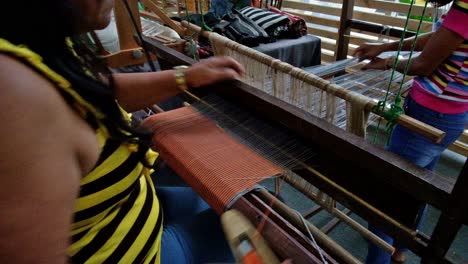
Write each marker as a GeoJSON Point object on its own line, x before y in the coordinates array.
{"type": "Point", "coordinates": [44, 26]}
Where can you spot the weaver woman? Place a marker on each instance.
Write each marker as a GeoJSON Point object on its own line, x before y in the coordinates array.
{"type": "Point", "coordinates": [75, 180]}
{"type": "Point", "coordinates": [438, 97]}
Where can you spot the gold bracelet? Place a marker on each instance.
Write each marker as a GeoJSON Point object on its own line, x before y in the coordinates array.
{"type": "Point", "coordinates": [180, 77]}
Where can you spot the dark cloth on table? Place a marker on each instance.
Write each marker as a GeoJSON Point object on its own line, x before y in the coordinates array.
{"type": "Point", "coordinates": [300, 52]}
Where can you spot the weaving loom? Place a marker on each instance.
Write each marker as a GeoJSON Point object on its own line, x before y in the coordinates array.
{"type": "Point", "coordinates": [330, 144]}
{"type": "Point", "coordinates": [236, 134]}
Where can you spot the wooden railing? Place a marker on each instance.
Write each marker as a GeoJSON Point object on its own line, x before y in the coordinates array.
{"type": "Point", "coordinates": [323, 18]}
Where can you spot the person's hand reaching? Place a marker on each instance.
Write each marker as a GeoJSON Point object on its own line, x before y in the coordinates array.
{"type": "Point", "coordinates": [368, 51]}
{"type": "Point", "coordinates": [213, 70]}
{"type": "Point", "coordinates": [379, 63]}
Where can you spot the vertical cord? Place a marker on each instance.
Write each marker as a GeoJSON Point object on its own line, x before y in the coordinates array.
{"type": "Point", "coordinates": [413, 46]}
{"type": "Point", "coordinates": [314, 243]}
{"type": "Point", "coordinates": [380, 107]}
{"type": "Point", "coordinates": [396, 109]}
{"type": "Point", "coordinates": [140, 37]}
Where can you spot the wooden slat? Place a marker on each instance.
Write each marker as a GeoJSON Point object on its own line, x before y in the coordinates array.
{"type": "Point", "coordinates": [371, 34]}
{"type": "Point", "coordinates": [460, 148]}
{"type": "Point", "coordinates": [359, 41]}
{"type": "Point", "coordinates": [300, 8]}
{"type": "Point", "coordinates": [375, 4]}
{"type": "Point", "coordinates": [326, 59]}
{"type": "Point", "coordinates": [464, 137]}
{"type": "Point", "coordinates": [313, 18]}
{"type": "Point", "coordinates": [322, 33]}
{"type": "Point", "coordinates": [328, 45]}
{"type": "Point", "coordinates": [360, 2]}
{"type": "Point", "coordinates": [351, 50]}
{"type": "Point", "coordinates": [311, 7]}
{"type": "Point", "coordinates": [328, 56]}
{"type": "Point", "coordinates": [391, 21]}
{"type": "Point", "coordinates": [396, 7]}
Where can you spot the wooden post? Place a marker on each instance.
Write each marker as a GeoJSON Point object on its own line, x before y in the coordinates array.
{"type": "Point", "coordinates": [450, 221]}
{"type": "Point", "coordinates": [130, 52]}
{"type": "Point", "coordinates": [344, 30]}
{"type": "Point", "coordinates": [125, 29]}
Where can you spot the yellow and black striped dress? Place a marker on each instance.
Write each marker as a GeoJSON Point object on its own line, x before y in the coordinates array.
{"type": "Point", "coordinates": [117, 216]}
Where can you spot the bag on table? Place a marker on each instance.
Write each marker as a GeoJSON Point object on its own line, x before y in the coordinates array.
{"type": "Point", "coordinates": [297, 26]}
{"type": "Point", "coordinates": [273, 23]}
{"type": "Point", "coordinates": [241, 29]}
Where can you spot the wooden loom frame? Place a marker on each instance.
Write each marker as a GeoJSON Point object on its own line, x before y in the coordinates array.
{"type": "Point", "coordinates": [349, 149]}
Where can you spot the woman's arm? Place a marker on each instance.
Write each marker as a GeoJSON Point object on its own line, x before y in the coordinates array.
{"type": "Point", "coordinates": [40, 167]}
{"type": "Point", "coordinates": [421, 42]}
{"type": "Point", "coordinates": [442, 43]}
{"type": "Point", "coordinates": [135, 91]}
{"type": "Point", "coordinates": [372, 50]}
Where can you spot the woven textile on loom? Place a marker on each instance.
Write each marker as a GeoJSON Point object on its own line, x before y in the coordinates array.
{"type": "Point", "coordinates": [216, 165]}
{"type": "Point", "coordinates": [297, 87]}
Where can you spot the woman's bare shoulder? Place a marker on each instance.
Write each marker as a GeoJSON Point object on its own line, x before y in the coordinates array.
{"type": "Point", "coordinates": [21, 84]}
{"type": "Point", "coordinates": [32, 109]}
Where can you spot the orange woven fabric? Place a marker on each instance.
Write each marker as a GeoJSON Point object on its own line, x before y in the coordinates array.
{"type": "Point", "coordinates": [216, 165]}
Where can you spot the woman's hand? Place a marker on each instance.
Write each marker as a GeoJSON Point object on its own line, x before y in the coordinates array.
{"type": "Point", "coordinates": [368, 51]}
{"type": "Point", "coordinates": [213, 70]}
{"type": "Point", "coordinates": [379, 63]}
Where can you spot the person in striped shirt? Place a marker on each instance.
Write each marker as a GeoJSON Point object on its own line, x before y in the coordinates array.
{"type": "Point", "coordinates": [438, 97]}
{"type": "Point", "coordinates": [75, 175]}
